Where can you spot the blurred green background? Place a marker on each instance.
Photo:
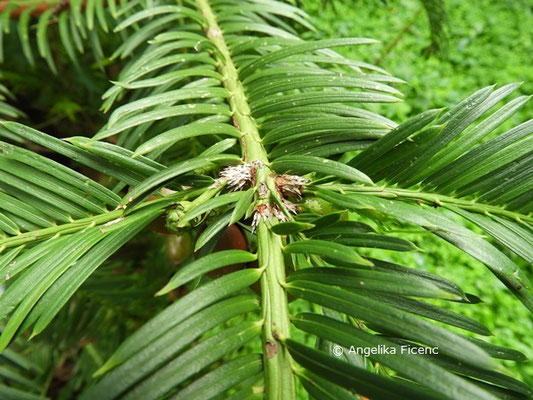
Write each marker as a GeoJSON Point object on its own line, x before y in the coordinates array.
{"type": "Point", "coordinates": [482, 42]}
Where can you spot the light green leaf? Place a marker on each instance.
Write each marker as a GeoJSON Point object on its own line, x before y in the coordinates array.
{"type": "Point", "coordinates": [10, 393]}
{"type": "Point", "coordinates": [164, 348]}
{"type": "Point", "coordinates": [58, 295]}
{"type": "Point", "coordinates": [72, 152]}
{"type": "Point", "coordinates": [162, 98]}
{"type": "Point", "coordinates": [28, 289]}
{"type": "Point", "coordinates": [173, 136]}
{"type": "Point", "coordinates": [160, 178]}
{"type": "Point", "coordinates": [212, 204]}
{"type": "Point", "coordinates": [328, 250]}
{"type": "Point", "coordinates": [64, 35]}
{"type": "Point", "coordinates": [281, 84]}
{"type": "Point", "coordinates": [212, 229]}
{"type": "Point", "coordinates": [206, 264]}
{"type": "Point", "coordinates": [180, 310]}
{"type": "Point", "coordinates": [23, 31]}
{"type": "Point", "coordinates": [241, 206]}
{"type": "Point", "coordinates": [275, 103]}
{"type": "Point", "coordinates": [503, 235]}
{"type": "Point", "coordinates": [42, 39]}
{"type": "Point", "coordinates": [8, 225]}
{"type": "Point", "coordinates": [291, 227]}
{"type": "Point", "coordinates": [194, 360]}
{"type": "Point", "coordinates": [324, 166]}
{"type": "Point", "coordinates": [171, 78]}
{"type": "Point", "coordinates": [154, 11]}
{"type": "Point", "coordinates": [100, 14]}
{"type": "Point", "coordinates": [395, 137]}
{"type": "Point", "coordinates": [89, 11]}
{"type": "Point", "coordinates": [308, 127]}
{"type": "Point", "coordinates": [301, 48]}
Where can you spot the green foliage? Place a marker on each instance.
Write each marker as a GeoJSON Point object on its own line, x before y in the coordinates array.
{"type": "Point", "coordinates": [478, 39]}
{"type": "Point", "coordinates": [77, 257]}
{"type": "Point", "coordinates": [480, 36]}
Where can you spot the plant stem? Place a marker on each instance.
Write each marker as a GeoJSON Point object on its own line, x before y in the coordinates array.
{"type": "Point", "coordinates": [80, 224]}
{"type": "Point", "coordinates": [250, 140]}
{"type": "Point", "coordinates": [397, 38]}
{"type": "Point", "coordinates": [279, 379]}
{"type": "Point", "coordinates": [64, 229]}
{"type": "Point", "coordinates": [429, 198]}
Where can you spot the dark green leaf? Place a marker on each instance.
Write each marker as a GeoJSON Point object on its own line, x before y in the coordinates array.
{"type": "Point", "coordinates": [419, 369]}
{"type": "Point", "coordinates": [216, 382]}
{"type": "Point", "coordinates": [372, 281]}
{"type": "Point", "coordinates": [390, 319]}
{"type": "Point", "coordinates": [352, 377]}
